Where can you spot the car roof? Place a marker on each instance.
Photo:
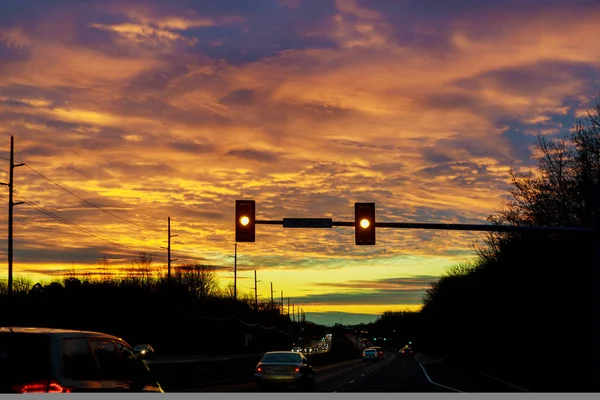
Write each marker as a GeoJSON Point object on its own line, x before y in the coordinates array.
{"type": "Point", "coordinates": [54, 331]}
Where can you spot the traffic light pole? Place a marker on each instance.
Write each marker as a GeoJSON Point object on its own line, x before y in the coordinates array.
{"type": "Point", "coordinates": [456, 227]}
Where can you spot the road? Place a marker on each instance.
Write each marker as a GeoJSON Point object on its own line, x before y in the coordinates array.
{"type": "Point", "coordinates": [393, 374]}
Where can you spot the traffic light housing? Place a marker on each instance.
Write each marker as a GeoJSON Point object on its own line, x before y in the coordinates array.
{"type": "Point", "coordinates": [245, 220]}
{"type": "Point", "coordinates": [364, 223]}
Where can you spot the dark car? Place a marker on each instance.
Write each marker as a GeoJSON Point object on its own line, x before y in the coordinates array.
{"type": "Point", "coordinates": [407, 352]}
{"type": "Point", "coordinates": [284, 368]}
{"type": "Point", "coordinates": [44, 360]}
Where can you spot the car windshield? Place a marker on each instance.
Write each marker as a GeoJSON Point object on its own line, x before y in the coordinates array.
{"type": "Point", "coordinates": [281, 358]}
{"type": "Point", "coordinates": [370, 351]}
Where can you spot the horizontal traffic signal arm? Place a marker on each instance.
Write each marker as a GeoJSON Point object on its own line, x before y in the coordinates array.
{"type": "Point", "coordinates": [456, 227]}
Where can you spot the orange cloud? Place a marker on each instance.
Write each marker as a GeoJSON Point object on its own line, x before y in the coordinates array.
{"type": "Point", "coordinates": [150, 120]}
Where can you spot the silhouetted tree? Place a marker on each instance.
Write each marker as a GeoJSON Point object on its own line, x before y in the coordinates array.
{"type": "Point", "coordinates": [528, 292]}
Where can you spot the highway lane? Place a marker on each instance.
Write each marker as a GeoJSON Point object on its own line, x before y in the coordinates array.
{"type": "Point", "coordinates": [393, 374]}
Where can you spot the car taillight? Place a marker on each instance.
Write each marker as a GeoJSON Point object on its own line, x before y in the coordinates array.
{"type": "Point", "coordinates": [259, 369]}
{"type": "Point", "coordinates": [364, 354]}
{"type": "Point", "coordinates": [296, 369]}
{"type": "Point", "coordinates": [41, 387]}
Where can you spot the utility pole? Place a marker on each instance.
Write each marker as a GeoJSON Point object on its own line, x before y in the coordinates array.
{"type": "Point", "coordinates": [271, 295]}
{"type": "Point", "coordinates": [169, 251]}
{"type": "Point", "coordinates": [11, 204]}
{"type": "Point", "coordinates": [282, 302]}
{"type": "Point", "coordinates": [293, 314]}
{"type": "Point", "coordinates": [288, 313]}
{"type": "Point", "coordinates": [255, 292]}
{"type": "Point", "coordinates": [235, 273]}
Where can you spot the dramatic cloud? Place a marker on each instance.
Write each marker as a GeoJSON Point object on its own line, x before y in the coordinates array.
{"type": "Point", "coordinates": [153, 109]}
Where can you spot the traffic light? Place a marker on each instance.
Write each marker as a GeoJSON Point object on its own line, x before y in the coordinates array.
{"type": "Point", "coordinates": [245, 211]}
{"type": "Point", "coordinates": [364, 223]}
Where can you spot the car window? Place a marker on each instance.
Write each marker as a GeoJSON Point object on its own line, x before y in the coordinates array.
{"type": "Point", "coordinates": [108, 359]}
{"type": "Point", "coordinates": [24, 358]}
{"type": "Point", "coordinates": [281, 358]}
{"type": "Point", "coordinates": [131, 368]}
{"type": "Point", "coordinates": [78, 361]}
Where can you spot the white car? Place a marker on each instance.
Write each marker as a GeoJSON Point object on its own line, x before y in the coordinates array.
{"type": "Point", "coordinates": [371, 355]}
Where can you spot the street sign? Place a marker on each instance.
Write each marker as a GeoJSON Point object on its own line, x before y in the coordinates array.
{"type": "Point", "coordinates": [307, 223]}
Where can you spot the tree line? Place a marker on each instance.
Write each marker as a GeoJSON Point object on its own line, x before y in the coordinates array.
{"type": "Point", "coordinates": [522, 310]}
{"type": "Point", "coordinates": [190, 313]}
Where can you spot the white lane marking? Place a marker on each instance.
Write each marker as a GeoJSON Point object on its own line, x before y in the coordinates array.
{"type": "Point", "coordinates": [430, 362]}
{"type": "Point", "coordinates": [501, 381]}
{"type": "Point", "coordinates": [437, 384]}
{"type": "Point", "coordinates": [352, 381]}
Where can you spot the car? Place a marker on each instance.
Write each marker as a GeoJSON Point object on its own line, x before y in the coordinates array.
{"type": "Point", "coordinates": [371, 355]}
{"type": "Point", "coordinates": [45, 360]}
{"type": "Point", "coordinates": [297, 349]}
{"type": "Point", "coordinates": [379, 350]}
{"type": "Point", "coordinates": [144, 350]}
{"type": "Point", "coordinates": [284, 368]}
{"type": "Point", "coordinates": [407, 352]}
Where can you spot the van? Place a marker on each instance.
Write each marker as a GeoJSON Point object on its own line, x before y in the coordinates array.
{"type": "Point", "coordinates": [45, 360]}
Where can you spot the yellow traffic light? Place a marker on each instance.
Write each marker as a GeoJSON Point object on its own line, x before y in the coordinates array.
{"type": "Point", "coordinates": [245, 215]}
{"type": "Point", "coordinates": [364, 223]}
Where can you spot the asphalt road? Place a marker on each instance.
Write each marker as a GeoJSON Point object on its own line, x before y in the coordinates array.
{"type": "Point", "coordinates": [393, 374]}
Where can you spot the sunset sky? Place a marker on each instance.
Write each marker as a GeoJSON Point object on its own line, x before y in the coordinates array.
{"type": "Point", "coordinates": [157, 109]}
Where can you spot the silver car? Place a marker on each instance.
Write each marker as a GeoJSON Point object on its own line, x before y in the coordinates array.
{"type": "Point", "coordinates": [284, 368]}
{"type": "Point", "coordinates": [371, 355]}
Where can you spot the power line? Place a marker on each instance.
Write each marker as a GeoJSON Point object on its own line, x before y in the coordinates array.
{"type": "Point", "coordinates": [72, 224]}
{"type": "Point", "coordinates": [86, 201]}
{"type": "Point", "coordinates": [96, 206]}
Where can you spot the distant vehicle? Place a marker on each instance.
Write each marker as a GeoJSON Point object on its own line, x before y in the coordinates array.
{"type": "Point", "coordinates": [407, 352]}
{"type": "Point", "coordinates": [297, 349]}
{"type": "Point", "coordinates": [144, 350]}
{"type": "Point", "coordinates": [371, 355]}
{"type": "Point", "coordinates": [44, 360]}
{"type": "Point", "coordinates": [284, 367]}
{"type": "Point", "coordinates": [379, 350]}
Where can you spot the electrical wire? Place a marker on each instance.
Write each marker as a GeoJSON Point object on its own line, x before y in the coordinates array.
{"type": "Point", "coordinates": [86, 201]}
{"type": "Point", "coordinates": [72, 224]}
{"type": "Point", "coordinates": [102, 209]}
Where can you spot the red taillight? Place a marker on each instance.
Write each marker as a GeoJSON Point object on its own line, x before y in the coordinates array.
{"type": "Point", "coordinates": [296, 369]}
{"type": "Point", "coordinates": [41, 387]}
{"type": "Point", "coordinates": [259, 369]}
